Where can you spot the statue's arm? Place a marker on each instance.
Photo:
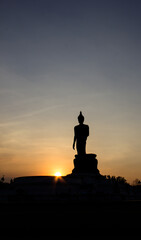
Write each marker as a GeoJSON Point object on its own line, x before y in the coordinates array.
{"type": "Point", "coordinates": [88, 131]}
{"type": "Point", "coordinates": [74, 140]}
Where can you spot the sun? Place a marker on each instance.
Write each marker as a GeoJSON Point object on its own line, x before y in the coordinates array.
{"type": "Point", "coordinates": [57, 174]}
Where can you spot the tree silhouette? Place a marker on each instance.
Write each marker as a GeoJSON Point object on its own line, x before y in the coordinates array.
{"type": "Point", "coordinates": [2, 179]}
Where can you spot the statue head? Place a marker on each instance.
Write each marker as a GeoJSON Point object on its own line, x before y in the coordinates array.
{"type": "Point", "coordinates": [80, 118]}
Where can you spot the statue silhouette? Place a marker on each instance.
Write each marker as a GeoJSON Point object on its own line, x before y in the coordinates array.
{"type": "Point", "coordinates": [81, 132]}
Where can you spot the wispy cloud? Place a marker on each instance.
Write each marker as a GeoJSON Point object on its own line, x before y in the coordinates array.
{"type": "Point", "coordinates": [14, 121]}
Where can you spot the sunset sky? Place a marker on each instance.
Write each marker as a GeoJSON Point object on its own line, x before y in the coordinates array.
{"type": "Point", "coordinates": [60, 57]}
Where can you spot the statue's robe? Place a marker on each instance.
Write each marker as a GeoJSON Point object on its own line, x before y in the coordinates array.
{"type": "Point", "coordinates": [81, 133]}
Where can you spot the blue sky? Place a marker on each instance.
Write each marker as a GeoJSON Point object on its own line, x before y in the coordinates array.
{"type": "Point", "coordinates": [60, 57]}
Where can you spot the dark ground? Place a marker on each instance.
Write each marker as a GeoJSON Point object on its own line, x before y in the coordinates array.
{"type": "Point", "coordinates": [31, 220]}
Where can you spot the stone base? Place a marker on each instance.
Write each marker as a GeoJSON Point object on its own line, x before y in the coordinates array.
{"type": "Point", "coordinates": [85, 164]}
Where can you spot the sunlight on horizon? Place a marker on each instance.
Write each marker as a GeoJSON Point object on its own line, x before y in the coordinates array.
{"type": "Point", "coordinates": [58, 174]}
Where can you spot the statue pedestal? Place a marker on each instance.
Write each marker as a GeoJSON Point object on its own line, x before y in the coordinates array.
{"type": "Point", "coordinates": [85, 164]}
